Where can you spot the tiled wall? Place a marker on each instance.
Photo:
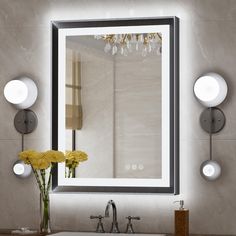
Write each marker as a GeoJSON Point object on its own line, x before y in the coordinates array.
{"type": "Point", "coordinates": [96, 135]}
{"type": "Point", "coordinates": [207, 43]}
{"type": "Point", "coordinates": [138, 117]}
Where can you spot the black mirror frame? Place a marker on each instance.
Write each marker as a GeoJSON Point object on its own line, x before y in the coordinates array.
{"type": "Point", "coordinates": [173, 22]}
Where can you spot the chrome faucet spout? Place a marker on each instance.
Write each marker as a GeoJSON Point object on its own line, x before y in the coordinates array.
{"type": "Point", "coordinates": [114, 227]}
{"type": "Point", "coordinates": [107, 209]}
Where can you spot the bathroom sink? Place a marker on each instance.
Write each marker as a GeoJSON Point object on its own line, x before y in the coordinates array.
{"type": "Point", "coordinates": [100, 234]}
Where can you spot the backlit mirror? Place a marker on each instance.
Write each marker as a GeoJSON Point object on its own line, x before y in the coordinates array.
{"type": "Point", "coordinates": [115, 97]}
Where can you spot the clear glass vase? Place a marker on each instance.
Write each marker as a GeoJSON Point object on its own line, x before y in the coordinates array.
{"type": "Point", "coordinates": [70, 172]}
{"type": "Point", "coordinates": [45, 213]}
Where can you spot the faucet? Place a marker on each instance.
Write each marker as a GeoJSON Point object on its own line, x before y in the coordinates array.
{"type": "Point", "coordinates": [114, 226]}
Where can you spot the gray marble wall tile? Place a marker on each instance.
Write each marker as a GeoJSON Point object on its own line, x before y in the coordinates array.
{"type": "Point", "coordinates": [138, 115]}
{"type": "Point", "coordinates": [207, 43]}
{"type": "Point", "coordinates": [18, 203]}
{"type": "Point", "coordinates": [96, 135]}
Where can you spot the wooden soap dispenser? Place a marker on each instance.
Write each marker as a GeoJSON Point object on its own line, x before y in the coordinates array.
{"type": "Point", "coordinates": [181, 220]}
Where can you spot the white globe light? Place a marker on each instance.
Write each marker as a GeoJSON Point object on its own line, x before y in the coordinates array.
{"type": "Point", "coordinates": [210, 89]}
{"type": "Point", "coordinates": [210, 170]}
{"type": "Point", "coordinates": [15, 91]}
{"type": "Point", "coordinates": [21, 92]}
{"type": "Point", "coordinates": [20, 169]}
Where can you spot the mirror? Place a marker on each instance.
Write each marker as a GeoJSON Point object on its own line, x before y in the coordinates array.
{"type": "Point", "coordinates": [115, 97]}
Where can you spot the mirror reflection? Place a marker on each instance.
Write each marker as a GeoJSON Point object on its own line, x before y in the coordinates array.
{"type": "Point", "coordinates": [114, 104]}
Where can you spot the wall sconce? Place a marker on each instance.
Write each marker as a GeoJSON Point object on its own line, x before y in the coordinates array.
{"type": "Point", "coordinates": [22, 93]}
{"type": "Point", "coordinates": [21, 170]}
{"type": "Point", "coordinates": [211, 90]}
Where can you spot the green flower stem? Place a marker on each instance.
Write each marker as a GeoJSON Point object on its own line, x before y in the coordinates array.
{"type": "Point", "coordinates": [45, 222]}
{"type": "Point", "coordinates": [73, 172]}
{"type": "Point", "coordinates": [42, 172]}
{"type": "Point", "coordinates": [70, 172]}
{"type": "Point", "coordinates": [50, 177]}
{"type": "Point", "coordinates": [38, 180]}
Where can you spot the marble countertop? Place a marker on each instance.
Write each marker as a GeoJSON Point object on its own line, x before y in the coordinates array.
{"type": "Point", "coordinates": [9, 233]}
{"type": "Point", "coordinates": [5, 232]}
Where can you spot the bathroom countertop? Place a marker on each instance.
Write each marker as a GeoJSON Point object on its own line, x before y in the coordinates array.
{"type": "Point", "coordinates": [9, 233]}
{"type": "Point", "coordinates": [4, 232]}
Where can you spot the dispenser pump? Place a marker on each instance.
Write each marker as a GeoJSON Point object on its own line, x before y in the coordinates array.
{"type": "Point", "coordinates": [181, 204]}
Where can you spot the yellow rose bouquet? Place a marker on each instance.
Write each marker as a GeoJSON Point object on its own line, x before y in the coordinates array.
{"type": "Point", "coordinates": [42, 164]}
{"type": "Point", "coordinates": [73, 159]}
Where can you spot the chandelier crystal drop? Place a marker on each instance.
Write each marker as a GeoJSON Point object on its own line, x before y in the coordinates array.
{"type": "Point", "coordinates": [127, 43]}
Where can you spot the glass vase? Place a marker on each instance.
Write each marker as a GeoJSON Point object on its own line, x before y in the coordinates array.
{"type": "Point", "coordinates": [70, 172]}
{"type": "Point", "coordinates": [45, 213]}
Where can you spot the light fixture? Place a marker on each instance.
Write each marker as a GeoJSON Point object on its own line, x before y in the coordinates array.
{"type": "Point", "coordinates": [25, 122]}
{"type": "Point", "coordinates": [210, 170]}
{"type": "Point", "coordinates": [212, 120]}
{"type": "Point", "coordinates": [21, 92]}
{"type": "Point", "coordinates": [127, 43]}
{"type": "Point", "coordinates": [21, 170]}
{"type": "Point", "coordinates": [211, 90]}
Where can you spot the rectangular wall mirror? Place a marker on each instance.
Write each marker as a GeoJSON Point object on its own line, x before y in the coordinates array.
{"type": "Point", "coordinates": [115, 97]}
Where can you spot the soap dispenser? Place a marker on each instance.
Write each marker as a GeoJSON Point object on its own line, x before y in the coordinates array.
{"type": "Point", "coordinates": [181, 220]}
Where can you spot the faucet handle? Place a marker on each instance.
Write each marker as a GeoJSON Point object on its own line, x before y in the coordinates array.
{"type": "Point", "coordinates": [133, 218]}
{"type": "Point", "coordinates": [129, 228]}
{"type": "Point", "coordinates": [99, 228]}
{"type": "Point", "coordinates": [96, 217]}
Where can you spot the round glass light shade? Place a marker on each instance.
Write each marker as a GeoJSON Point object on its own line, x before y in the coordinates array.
{"type": "Point", "coordinates": [210, 89]}
{"type": "Point", "coordinates": [20, 169]}
{"type": "Point", "coordinates": [210, 170]}
{"type": "Point", "coordinates": [22, 92]}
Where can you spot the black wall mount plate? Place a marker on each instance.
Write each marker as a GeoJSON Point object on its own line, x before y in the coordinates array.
{"type": "Point", "coordinates": [214, 121]}
{"type": "Point", "coordinates": [25, 121]}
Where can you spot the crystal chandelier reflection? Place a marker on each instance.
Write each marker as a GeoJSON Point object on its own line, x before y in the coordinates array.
{"type": "Point", "coordinates": [127, 43]}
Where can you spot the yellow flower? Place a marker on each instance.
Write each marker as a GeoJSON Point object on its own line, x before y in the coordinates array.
{"type": "Point", "coordinates": [72, 163]}
{"type": "Point", "coordinates": [76, 155]}
{"type": "Point", "coordinates": [73, 158]}
{"type": "Point", "coordinates": [54, 156]}
{"type": "Point", "coordinates": [29, 155]}
{"type": "Point", "coordinates": [41, 160]}
{"type": "Point", "coordinates": [40, 164]}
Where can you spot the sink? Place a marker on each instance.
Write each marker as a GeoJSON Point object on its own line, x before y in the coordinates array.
{"type": "Point", "coordinates": [100, 234]}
